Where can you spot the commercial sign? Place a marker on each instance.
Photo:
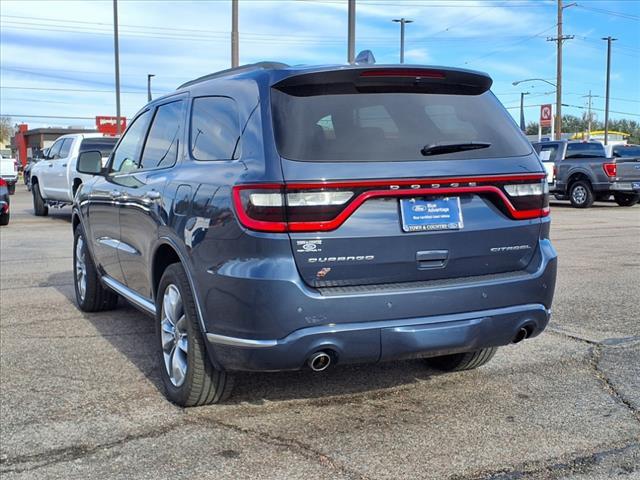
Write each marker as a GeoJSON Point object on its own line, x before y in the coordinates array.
{"type": "Point", "coordinates": [546, 115]}
{"type": "Point", "coordinates": [109, 126]}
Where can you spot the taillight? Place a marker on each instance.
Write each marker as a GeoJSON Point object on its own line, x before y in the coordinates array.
{"type": "Point", "coordinates": [324, 206]}
{"type": "Point", "coordinates": [611, 169]}
{"type": "Point", "coordinates": [529, 197]}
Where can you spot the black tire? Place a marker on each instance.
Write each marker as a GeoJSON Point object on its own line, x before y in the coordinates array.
{"type": "Point", "coordinates": [462, 361]}
{"type": "Point", "coordinates": [626, 199]}
{"type": "Point", "coordinates": [96, 296]}
{"type": "Point", "coordinates": [11, 188]}
{"type": "Point", "coordinates": [4, 218]}
{"type": "Point", "coordinates": [203, 384]}
{"type": "Point", "coordinates": [581, 194]}
{"type": "Point", "coordinates": [40, 208]}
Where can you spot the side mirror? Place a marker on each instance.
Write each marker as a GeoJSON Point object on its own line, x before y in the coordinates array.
{"type": "Point", "coordinates": [90, 162]}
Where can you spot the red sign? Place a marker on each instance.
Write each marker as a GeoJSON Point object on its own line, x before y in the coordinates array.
{"type": "Point", "coordinates": [108, 125]}
{"type": "Point", "coordinates": [546, 115]}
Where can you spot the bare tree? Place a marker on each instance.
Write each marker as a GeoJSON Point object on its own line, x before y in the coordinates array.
{"type": "Point", "coordinates": [6, 130]}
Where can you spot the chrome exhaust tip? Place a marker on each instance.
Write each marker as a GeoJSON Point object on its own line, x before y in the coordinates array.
{"type": "Point", "coordinates": [521, 335]}
{"type": "Point", "coordinates": [319, 361]}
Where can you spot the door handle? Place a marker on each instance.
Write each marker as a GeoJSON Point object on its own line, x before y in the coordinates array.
{"type": "Point", "coordinates": [115, 193]}
{"type": "Point", "coordinates": [152, 195]}
{"type": "Point", "coordinates": [50, 165]}
{"type": "Point", "coordinates": [64, 164]}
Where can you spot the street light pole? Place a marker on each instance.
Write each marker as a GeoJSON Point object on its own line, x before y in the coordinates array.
{"type": "Point", "coordinates": [351, 34]}
{"type": "Point", "coordinates": [606, 100]}
{"type": "Point", "coordinates": [235, 55]}
{"type": "Point", "coordinates": [402, 22]}
{"type": "Point", "coordinates": [117, 61]}
{"type": "Point", "coordinates": [149, 75]}
{"type": "Point", "coordinates": [523, 125]}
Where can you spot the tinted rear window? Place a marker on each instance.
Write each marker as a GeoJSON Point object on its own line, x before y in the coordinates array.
{"type": "Point", "coordinates": [585, 150]}
{"type": "Point", "coordinates": [627, 151]}
{"type": "Point", "coordinates": [391, 126]}
{"type": "Point", "coordinates": [215, 129]}
{"type": "Point", "coordinates": [103, 145]}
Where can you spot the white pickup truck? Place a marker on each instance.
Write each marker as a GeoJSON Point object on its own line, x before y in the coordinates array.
{"type": "Point", "coordinates": [9, 173]}
{"type": "Point", "coordinates": [55, 179]}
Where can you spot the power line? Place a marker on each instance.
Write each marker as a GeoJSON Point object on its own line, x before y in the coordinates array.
{"type": "Point", "coordinates": [507, 46]}
{"type": "Point", "coordinates": [609, 12]}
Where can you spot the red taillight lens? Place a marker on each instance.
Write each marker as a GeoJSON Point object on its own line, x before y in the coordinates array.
{"type": "Point", "coordinates": [403, 72]}
{"type": "Point", "coordinates": [316, 207]}
{"type": "Point", "coordinates": [530, 200]}
{"type": "Point", "coordinates": [610, 169]}
{"type": "Point", "coordinates": [3, 183]}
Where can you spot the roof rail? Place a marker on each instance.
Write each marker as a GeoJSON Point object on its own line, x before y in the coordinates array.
{"type": "Point", "coordinates": [234, 70]}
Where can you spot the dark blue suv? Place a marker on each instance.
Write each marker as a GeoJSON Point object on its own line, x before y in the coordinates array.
{"type": "Point", "coordinates": [275, 218]}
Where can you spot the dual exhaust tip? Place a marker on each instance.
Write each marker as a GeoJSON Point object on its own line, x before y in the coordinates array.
{"type": "Point", "coordinates": [524, 332]}
{"type": "Point", "coordinates": [319, 361]}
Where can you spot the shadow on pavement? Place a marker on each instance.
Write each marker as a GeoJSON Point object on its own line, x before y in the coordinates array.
{"type": "Point", "coordinates": [132, 334]}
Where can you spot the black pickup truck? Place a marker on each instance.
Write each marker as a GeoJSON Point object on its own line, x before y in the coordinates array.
{"type": "Point", "coordinates": [582, 173]}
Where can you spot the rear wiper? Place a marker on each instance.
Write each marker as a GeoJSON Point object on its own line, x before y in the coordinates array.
{"type": "Point", "coordinates": [451, 147]}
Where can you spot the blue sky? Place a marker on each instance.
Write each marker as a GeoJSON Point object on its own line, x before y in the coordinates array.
{"type": "Point", "coordinates": [56, 57]}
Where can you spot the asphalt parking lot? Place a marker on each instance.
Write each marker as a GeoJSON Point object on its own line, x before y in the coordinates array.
{"type": "Point", "coordinates": [80, 393]}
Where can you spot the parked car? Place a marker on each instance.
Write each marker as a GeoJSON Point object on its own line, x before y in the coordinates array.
{"type": "Point", "coordinates": [26, 173]}
{"type": "Point", "coordinates": [583, 173]}
{"type": "Point", "coordinates": [55, 179]}
{"type": "Point", "coordinates": [9, 172]}
{"type": "Point", "coordinates": [626, 151]}
{"type": "Point", "coordinates": [273, 217]}
{"type": "Point", "coordinates": [4, 202]}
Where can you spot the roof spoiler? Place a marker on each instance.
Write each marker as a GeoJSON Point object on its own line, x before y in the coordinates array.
{"type": "Point", "coordinates": [388, 79]}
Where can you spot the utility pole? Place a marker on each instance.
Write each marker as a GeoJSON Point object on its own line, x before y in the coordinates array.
{"type": "Point", "coordinates": [149, 75]}
{"type": "Point", "coordinates": [589, 118]}
{"type": "Point", "coordinates": [402, 22]}
{"type": "Point", "coordinates": [606, 100]}
{"type": "Point", "coordinates": [235, 56]}
{"type": "Point", "coordinates": [523, 125]}
{"type": "Point", "coordinates": [351, 42]}
{"type": "Point", "coordinates": [559, 39]}
{"type": "Point", "coordinates": [117, 60]}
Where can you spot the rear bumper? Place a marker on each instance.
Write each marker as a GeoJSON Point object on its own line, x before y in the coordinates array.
{"type": "Point", "coordinates": [369, 342]}
{"type": "Point", "coordinates": [10, 180]}
{"type": "Point", "coordinates": [627, 187]}
{"type": "Point", "coordinates": [360, 325]}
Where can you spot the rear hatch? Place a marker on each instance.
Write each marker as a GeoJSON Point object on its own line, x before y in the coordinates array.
{"type": "Point", "coordinates": [398, 175]}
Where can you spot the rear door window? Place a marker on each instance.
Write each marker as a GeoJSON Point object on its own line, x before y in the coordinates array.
{"type": "Point", "coordinates": [163, 141]}
{"type": "Point", "coordinates": [391, 126]}
{"type": "Point", "coordinates": [215, 129]}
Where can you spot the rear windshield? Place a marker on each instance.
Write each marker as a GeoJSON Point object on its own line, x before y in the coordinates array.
{"type": "Point", "coordinates": [576, 150]}
{"type": "Point", "coordinates": [548, 152]}
{"type": "Point", "coordinates": [626, 151]}
{"type": "Point", "coordinates": [391, 126]}
{"type": "Point", "coordinates": [103, 145]}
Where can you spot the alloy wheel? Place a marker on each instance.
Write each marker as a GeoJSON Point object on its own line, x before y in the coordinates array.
{"type": "Point", "coordinates": [579, 194]}
{"type": "Point", "coordinates": [81, 269]}
{"type": "Point", "coordinates": [175, 341]}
